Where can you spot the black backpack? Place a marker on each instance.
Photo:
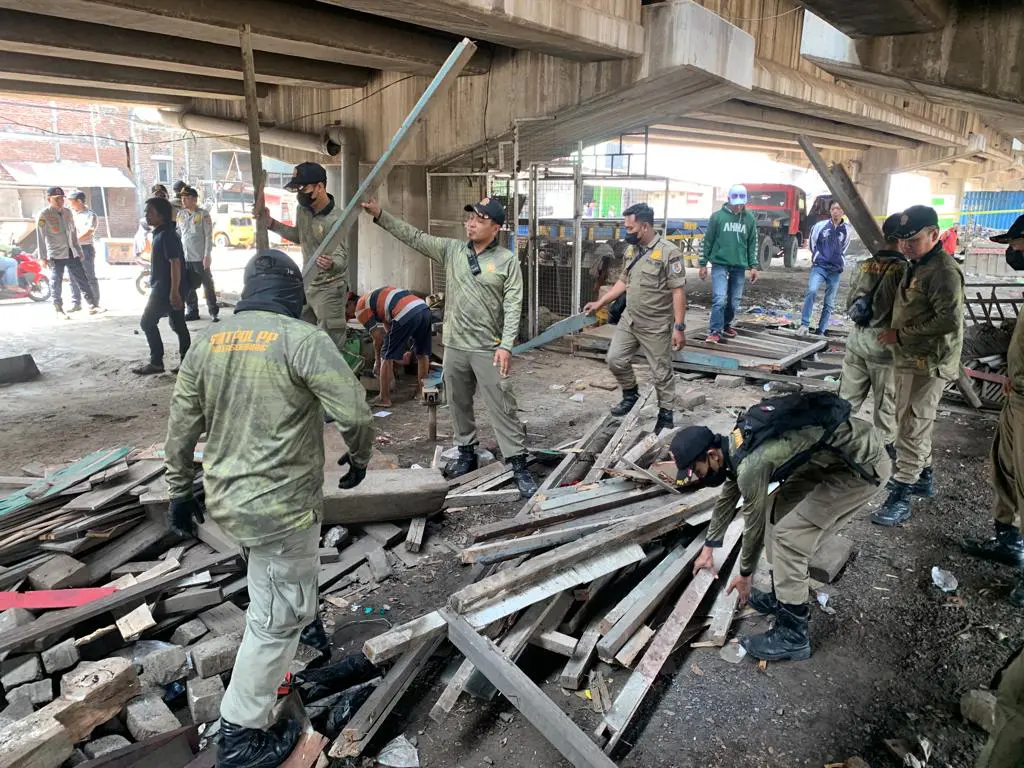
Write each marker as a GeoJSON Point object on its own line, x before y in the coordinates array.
{"type": "Point", "coordinates": [774, 416]}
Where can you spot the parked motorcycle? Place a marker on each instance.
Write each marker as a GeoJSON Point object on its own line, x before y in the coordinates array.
{"type": "Point", "coordinates": [32, 283]}
{"type": "Point", "coordinates": [142, 281]}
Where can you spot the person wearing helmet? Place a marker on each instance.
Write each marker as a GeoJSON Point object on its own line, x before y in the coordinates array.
{"type": "Point", "coordinates": [258, 385]}
{"type": "Point", "coordinates": [829, 240]}
{"type": "Point", "coordinates": [730, 246]}
{"type": "Point", "coordinates": [867, 365]}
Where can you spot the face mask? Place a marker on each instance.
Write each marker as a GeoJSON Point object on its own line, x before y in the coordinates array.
{"type": "Point", "coordinates": [305, 199]}
{"type": "Point", "coordinates": [633, 238]}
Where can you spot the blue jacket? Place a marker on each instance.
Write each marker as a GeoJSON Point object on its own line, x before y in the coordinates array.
{"type": "Point", "coordinates": [828, 244]}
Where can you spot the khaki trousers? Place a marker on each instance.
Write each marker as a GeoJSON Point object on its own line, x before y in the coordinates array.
{"type": "Point", "coordinates": [282, 582]}
{"type": "Point", "coordinates": [809, 506]}
{"type": "Point", "coordinates": [862, 375]}
{"type": "Point", "coordinates": [463, 371]}
{"type": "Point", "coordinates": [917, 399]}
{"type": "Point", "coordinates": [1008, 463]}
{"type": "Point", "coordinates": [657, 348]}
{"type": "Point", "coordinates": [1005, 747]}
{"type": "Point", "coordinates": [325, 308]}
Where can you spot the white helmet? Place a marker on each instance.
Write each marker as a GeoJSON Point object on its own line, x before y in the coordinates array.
{"type": "Point", "coordinates": [737, 195]}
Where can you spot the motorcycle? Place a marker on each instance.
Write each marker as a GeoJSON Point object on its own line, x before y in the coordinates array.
{"type": "Point", "coordinates": [142, 281]}
{"type": "Point", "coordinates": [32, 283]}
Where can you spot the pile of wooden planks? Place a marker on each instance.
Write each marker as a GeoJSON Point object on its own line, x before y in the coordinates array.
{"type": "Point", "coordinates": [596, 566]}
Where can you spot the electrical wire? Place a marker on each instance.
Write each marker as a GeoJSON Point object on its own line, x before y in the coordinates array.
{"type": "Point", "coordinates": [731, 19]}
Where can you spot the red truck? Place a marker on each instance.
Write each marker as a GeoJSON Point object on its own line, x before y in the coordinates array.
{"type": "Point", "coordinates": [783, 221]}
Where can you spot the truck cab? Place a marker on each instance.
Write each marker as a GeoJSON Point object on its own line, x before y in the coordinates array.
{"type": "Point", "coordinates": [781, 214]}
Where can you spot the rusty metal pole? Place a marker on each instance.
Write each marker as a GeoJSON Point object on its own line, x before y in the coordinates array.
{"type": "Point", "coordinates": [252, 115]}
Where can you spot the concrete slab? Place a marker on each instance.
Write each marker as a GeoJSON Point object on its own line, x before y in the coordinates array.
{"type": "Point", "coordinates": [17, 369]}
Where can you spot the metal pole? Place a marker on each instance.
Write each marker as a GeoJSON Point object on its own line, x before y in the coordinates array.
{"type": "Point", "coordinates": [577, 227]}
{"type": "Point", "coordinates": [252, 114]}
{"type": "Point", "coordinates": [664, 230]}
{"type": "Point", "coordinates": [430, 224]}
{"type": "Point", "coordinates": [96, 149]}
{"type": "Point", "coordinates": [515, 193]}
{"type": "Point", "coordinates": [534, 256]}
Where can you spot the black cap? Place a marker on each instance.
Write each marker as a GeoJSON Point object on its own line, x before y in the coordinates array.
{"type": "Point", "coordinates": [890, 225]}
{"type": "Point", "coordinates": [1016, 230]}
{"type": "Point", "coordinates": [272, 262]}
{"type": "Point", "coordinates": [306, 173]}
{"type": "Point", "coordinates": [687, 446]}
{"type": "Point", "coordinates": [490, 208]}
{"type": "Point", "coordinates": [178, 185]}
{"type": "Point", "coordinates": [914, 219]}
{"type": "Point", "coordinates": [77, 195]}
{"type": "Point", "coordinates": [51, 191]}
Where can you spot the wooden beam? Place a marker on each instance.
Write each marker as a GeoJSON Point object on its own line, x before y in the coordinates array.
{"type": "Point", "coordinates": [615, 448]}
{"type": "Point", "coordinates": [582, 657]}
{"type": "Point", "coordinates": [125, 549]}
{"type": "Point", "coordinates": [252, 119]}
{"type": "Point", "coordinates": [481, 498]}
{"type": "Point", "coordinates": [632, 648]}
{"type": "Point", "coordinates": [506, 549]}
{"type": "Point", "coordinates": [400, 639]}
{"type": "Point", "coordinates": [556, 642]}
{"type": "Point", "coordinates": [414, 538]}
{"type": "Point", "coordinates": [723, 610]}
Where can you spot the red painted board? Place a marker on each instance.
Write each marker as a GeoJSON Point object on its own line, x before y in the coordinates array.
{"type": "Point", "coordinates": [53, 598]}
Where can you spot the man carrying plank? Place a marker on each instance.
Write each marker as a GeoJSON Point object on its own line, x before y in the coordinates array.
{"type": "Point", "coordinates": [257, 385]}
{"type": "Point", "coordinates": [828, 463]}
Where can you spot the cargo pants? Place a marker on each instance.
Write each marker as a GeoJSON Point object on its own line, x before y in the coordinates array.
{"type": "Point", "coordinates": [1008, 463]}
{"type": "Point", "coordinates": [1005, 746]}
{"type": "Point", "coordinates": [282, 582]}
{"type": "Point", "coordinates": [809, 506]}
{"type": "Point", "coordinates": [464, 370]}
{"type": "Point", "coordinates": [325, 307]}
{"type": "Point", "coordinates": [917, 400]}
{"type": "Point", "coordinates": [862, 375]}
{"type": "Point", "coordinates": [657, 348]}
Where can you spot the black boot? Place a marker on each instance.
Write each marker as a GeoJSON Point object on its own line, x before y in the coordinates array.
{"type": "Point", "coordinates": [897, 507]}
{"type": "Point", "coordinates": [1006, 547]}
{"type": "Point", "coordinates": [629, 398]}
{"type": "Point", "coordinates": [890, 448]}
{"type": "Point", "coordinates": [786, 640]}
{"type": "Point", "coordinates": [315, 636]}
{"type": "Point", "coordinates": [465, 463]}
{"type": "Point", "coordinates": [763, 602]}
{"type": "Point", "coordinates": [523, 476]}
{"type": "Point", "coordinates": [1017, 595]}
{"type": "Point", "coordinates": [664, 420]}
{"type": "Point", "coordinates": [252, 748]}
{"type": "Point", "coordinates": [923, 486]}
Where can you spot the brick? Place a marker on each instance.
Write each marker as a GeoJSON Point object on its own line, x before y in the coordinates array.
{"type": "Point", "coordinates": [60, 657]}
{"type": "Point", "coordinates": [729, 382]}
{"type": "Point", "coordinates": [147, 716]}
{"type": "Point", "coordinates": [105, 745]}
{"type": "Point", "coordinates": [216, 655]}
{"type": "Point", "coordinates": [189, 632]}
{"type": "Point", "coordinates": [38, 693]}
{"type": "Point", "coordinates": [164, 666]}
{"type": "Point", "coordinates": [204, 695]}
{"type": "Point", "coordinates": [19, 670]}
{"type": "Point", "coordinates": [690, 399]}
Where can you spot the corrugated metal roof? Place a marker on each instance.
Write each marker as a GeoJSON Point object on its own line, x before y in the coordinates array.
{"type": "Point", "coordinates": [67, 174]}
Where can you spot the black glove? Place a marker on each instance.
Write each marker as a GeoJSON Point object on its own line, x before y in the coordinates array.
{"type": "Point", "coordinates": [355, 473]}
{"type": "Point", "coordinates": [183, 514]}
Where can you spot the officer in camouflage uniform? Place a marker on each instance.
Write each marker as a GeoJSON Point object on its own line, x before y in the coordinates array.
{"type": "Point", "coordinates": [258, 386]}
{"type": "Point", "coordinates": [1007, 546]}
{"type": "Point", "coordinates": [867, 366]}
{"type": "Point", "coordinates": [817, 499]}
{"type": "Point", "coordinates": [326, 281]}
{"type": "Point", "coordinates": [654, 281]}
{"type": "Point", "coordinates": [926, 337]}
{"type": "Point", "coordinates": [483, 306]}
{"type": "Point", "coordinates": [1005, 747]}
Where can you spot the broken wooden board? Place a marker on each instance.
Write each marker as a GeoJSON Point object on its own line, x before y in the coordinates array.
{"type": "Point", "coordinates": [125, 549]}
{"type": "Point", "coordinates": [402, 638]}
{"type": "Point", "coordinates": [477, 476]}
{"type": "Point", "coordinates": [414, 538]}
{"type": "Point", "coordinates": [395, 494]}
{"type": "Point", "coordinates": [634, 646]}
{"type": "Point", "coordinates": [617, 446]}
{"type": "Point", "coordinates": [723, 610]}
{"type": "Point", "coordinates": [582, 657]}
{"type": "Point", "coordinates": [351, 558]}
{"type": "Point", "coordinates": [481, 498]}
{"type": "Point", "coordinates": [556, 642]}
{"type": "Point", "coordinates": [138, 474]}
{"type": "Point", "coordinates": [60, 572]}
{"type": "Point", "coordinates": [135, 622]}
{"type": "Point", "coordinates": [506, 549]}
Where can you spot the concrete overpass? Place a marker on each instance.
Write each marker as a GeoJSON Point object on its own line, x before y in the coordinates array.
{"type": "Point", "coordinates": [558, 73]}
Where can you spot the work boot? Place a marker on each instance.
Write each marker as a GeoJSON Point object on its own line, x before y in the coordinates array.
{"type": "Point", "coordinates": [465, 463]}
{"type": "Point", "coordinates": [61, 314]}
{"type": "Point", "coordinates": [890, 448]}
{"type": "Point", "coordinates": [523, 476]}
{"type": "Point", "coordinates": [315, 636]}
{"type": "Point", "coordinates": [252, 748]}
{"type": "Point", "coordinates": [75, 308]}
{"type": "Point", "coordinates": [147, 370]}
{"type": "Point", "coordinates": [923, 486]}
{"type": "Point", "coordinates": [191, 317]}
{"type": "Point", "coordinates": [896, 509]}
{"type": "Point", "coordinates": [763, 602]}
{"type": "Point", "coordinates": [1006, 547]}
{"type": "Point", "coordinates": [664, 420]}
{"type": "Point", "coordinates": [629, 398]}
{"type": "Point", "coordinates": [787, 640]}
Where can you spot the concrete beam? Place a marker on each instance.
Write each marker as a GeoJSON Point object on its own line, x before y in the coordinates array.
{"type": "Point", "coordinates": [564, 28]}
{"type": "Point", "coordinates": [728, 131]}
{"type": "Point", "coordinates": [79, 40]}
{"type": "Point", "coordinates": [895, 17]}
{"type": "Point", "coordinates": [759, 116]}
{"type": "Point", "coordinates": [77, 93]}
{"type": "Point", "coordinates": [45, 69]}
{"type": "Point", "coordinates": [280, 27]}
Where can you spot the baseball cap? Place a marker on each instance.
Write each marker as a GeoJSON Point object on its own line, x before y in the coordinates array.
{"type": "Point", "coordinates": [914, 219]}
{"type": "Point", "coordinates": [490, 208]}
{"type": "Point", "coordinates": [77, 195]}
{"type": "Point", "coordinates": [1016, 230]}
{"type": "Point", "coordinates": [52, 191]}
{"type": "Point", "coordinates": [306, 173]}
{"type": "Point", "coordinates": [687, 446]}
{"type": "Point", "coordinates": [890, 225]}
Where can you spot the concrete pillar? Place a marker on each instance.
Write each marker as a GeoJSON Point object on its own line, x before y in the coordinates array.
{"type": "Point", "coordinates": [954, 187]}
{"type": "Point", "coordinates": [383, 260]}
{"type": "Point", "coordinates": [872, 179]}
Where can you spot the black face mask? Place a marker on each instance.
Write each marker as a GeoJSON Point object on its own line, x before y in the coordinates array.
{"type": "Point", "coordinates": [1014, 259]}
{"type": "Point", "coordinates": [305, 199]}
{"type": "Point", "coordinates": [633, 238]}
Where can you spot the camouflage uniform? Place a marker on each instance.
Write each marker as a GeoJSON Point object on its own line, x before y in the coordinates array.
{"type": "Point", "coordinates": [651, 273]}
{"type": "Point", "coordinates": [867, 366]}
{"type": "Point", "coordinates": [817, 499]}
{"type": "Point", "coordinates": [326, 289]}
{"type": "Point", "coordinates": [255, 385]}
{"type": "Point", "coordinates": [928, 315]}
{"type": "Point", "coordinates": [1005, 747]}
{"type": "Point", "coordinates": [482, 314]}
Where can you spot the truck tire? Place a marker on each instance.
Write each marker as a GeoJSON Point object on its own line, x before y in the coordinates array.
{"type": "Point", "coordinates": [766, 252]}
{"type": "Point", "coordinates": [789, 251]}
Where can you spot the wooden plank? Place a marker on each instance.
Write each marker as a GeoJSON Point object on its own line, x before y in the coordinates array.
{"type": "Point", "coordinates": [385, 494]}
{"type": "Point", "coordinates": [651, 475]}
{"type": "Point", "coordinates": [556, 642]}
{"type": "Point", "coordinates": [830, 557]}
{"type": "Point", "coordinates": [570, 460]}
{"type": "Point", "coordinates": [135, 622]}
{"type": "Point", "coordinates": [113, 473]}
{"type": "Point", "coordinates": [582, 493]}
{"type": "Point", "coordinates": [166, 750]}
{"type": "Point", "coordinates": [414, 538]}
{"type": "Point", "coordinates": [481, 498]}
{"type": "Point", "coordinates": [537, 708]}
{"type": "Point", "coordinates": [190, 601]}
{"type": "Point", "coordinates": [252, 120]}
{"type": "Point", "coordinates": [43, 599]}
{"type": "Point", "coordinates": [506, 549]}
{"type": "Point", "coordinates": [723, 610]}
{"type": "Point", "coordinates": [640, 529]}
{"type": "Point", "coordinates": [614, 449]}
{"type": "Point", "coordinates": [386, 533]}
{"type": "Point", "coordinates": [472, 479]}
{"type": "Point", "coordinates": [125, 549]}
{"type": "Point", "coordinates": [138, 473]}
{"type": "Point", "coordinates": [351, 558]}
{"type": "Point", "coordinates": [582, 657]}
{"type": "Point", "coordinates": [60, 572]}
{"type": "Point", "coordinates": [402, 638]}
{"type": "Point", "coordinates": [634, 646]}
{"type": "Point", "coordinates": [18, 482]}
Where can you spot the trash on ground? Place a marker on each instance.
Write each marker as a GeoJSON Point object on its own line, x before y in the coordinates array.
{"type": "Point", "coordinates": [943, 579]}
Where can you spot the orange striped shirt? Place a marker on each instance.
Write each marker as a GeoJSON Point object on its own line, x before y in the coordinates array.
{"type": "Point", "coordinates": [385, 306]}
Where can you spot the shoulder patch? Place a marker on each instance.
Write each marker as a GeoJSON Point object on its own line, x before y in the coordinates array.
{"type": "Point", "coordinates": [676, 267]}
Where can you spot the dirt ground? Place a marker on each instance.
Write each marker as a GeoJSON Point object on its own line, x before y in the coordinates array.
{"type": "Point", "coordinates": [892, 661]}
